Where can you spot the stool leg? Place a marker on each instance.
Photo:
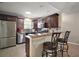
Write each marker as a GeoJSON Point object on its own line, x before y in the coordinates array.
{"type": "Point", "coordinates": [46, 54]}
{"type": "Point", "coordinates": [61, 49]}
{"type": "Point", "coordinates": [55, 53]}
{"type": "Point", "coordinates": [42, 54]}
{"type": "Point", "coordinates": [67, 49]}
{"type": "Point", "coordinates": [62, 53]}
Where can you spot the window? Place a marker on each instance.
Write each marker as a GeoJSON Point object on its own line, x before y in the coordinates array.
{"type": "Point", "coordinates": [28, 24]}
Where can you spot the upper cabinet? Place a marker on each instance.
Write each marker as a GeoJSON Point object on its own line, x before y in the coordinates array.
{"type": "Point", "coordinates": [20, 25]}
{"type": "Point", "coordinates": [54, 20]}
{"type": "Point", "coordinates": [46, 22]}
{"type": "Point", "coordinates": [35, 24]}
{"type": "Point", "coordinates": [2, 17]}
{"type": "Point", "coordinates": [51, 21]}
{"type": "Point", "coordinates": [8, 17]}
{"type": "Point", "coordinates": [11, 18]}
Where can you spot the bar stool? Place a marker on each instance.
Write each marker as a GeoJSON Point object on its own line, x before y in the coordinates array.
{"type": "Point", "coordinates": [63, 42]}
{"type": "Point", "coordinates": [51, 47]}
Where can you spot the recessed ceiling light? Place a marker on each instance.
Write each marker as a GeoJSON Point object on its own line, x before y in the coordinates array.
{"type": "Point", "coordinates": [28, 12]}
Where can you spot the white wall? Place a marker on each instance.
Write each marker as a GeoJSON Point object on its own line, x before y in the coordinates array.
{"type": "Point", "coordinates": [71, 22]}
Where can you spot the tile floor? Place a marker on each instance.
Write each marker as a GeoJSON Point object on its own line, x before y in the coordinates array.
{"type": "Point", "coordinates": [16, 51]}
{"type": "Point", "coordinates": [19, 51]}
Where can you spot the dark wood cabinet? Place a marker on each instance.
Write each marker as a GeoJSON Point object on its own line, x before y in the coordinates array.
{"type": "Point", "coordinates": [51, 21]}
{"type": "Point", "coordinates": [54, 20]}
{"type": "Point", "coordinates": [20, 25]}
{"type": "Point", "coordinates": [27, 46]}
{"type": "Point", "coordinates": [2, 17]}
{"type": "Point", "coordinates": [11, 18]}
{"type": "Point", "coordinates": [8, 17]}
{"type": "Point", "coordinates": [35, 24]}
{"type": "Point", "coordinates": [47, 22]}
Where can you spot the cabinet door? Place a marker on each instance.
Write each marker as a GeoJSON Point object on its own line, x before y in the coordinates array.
{"type": "Point", "coordinates": [47, 22]}
{"type": "Point", "coordinates": [54, 21]}
{"type": "Point", "coordinates": [35, 24]}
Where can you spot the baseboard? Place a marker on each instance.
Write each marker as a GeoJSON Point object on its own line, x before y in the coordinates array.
{"type": "Point", "coordinates": [20, 43]}
{"type": "Point", "coordinates": [8, 47]}
{"type": "Point", "coordinates": [73, 43]}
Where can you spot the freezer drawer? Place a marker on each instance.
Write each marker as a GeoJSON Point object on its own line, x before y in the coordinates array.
{"type": "Point", "coordinates": [11, 41]}
{"type": "Point", "coordinates": [7, 42]}
{"type": "Point", "coordinates": [3, 42]}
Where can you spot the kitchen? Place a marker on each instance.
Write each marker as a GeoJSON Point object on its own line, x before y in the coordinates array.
{"type": "Point", "coordinates": [19, 20]}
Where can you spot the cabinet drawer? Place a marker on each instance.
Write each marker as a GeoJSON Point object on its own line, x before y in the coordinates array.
{"type": "Point", "coordinates": [11, 41]}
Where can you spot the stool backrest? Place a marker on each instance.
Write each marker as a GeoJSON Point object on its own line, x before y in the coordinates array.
{"type": "Point", "coordinates": [50, 45]}
{"type": "Point", "coordinates": [54, 38]}
{"type": "Point", "coordinates": [66, 35]}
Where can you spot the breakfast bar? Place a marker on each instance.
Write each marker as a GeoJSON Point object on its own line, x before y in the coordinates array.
{"type": "Point", "coordinates": [34, 43]}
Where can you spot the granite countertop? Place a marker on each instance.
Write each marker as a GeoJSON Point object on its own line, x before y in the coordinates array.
{"type": "Point", "coordinates": [37, 35]}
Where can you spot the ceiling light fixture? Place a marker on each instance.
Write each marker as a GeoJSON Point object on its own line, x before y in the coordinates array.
{"type": "Point", "coordinates": [28, 12]}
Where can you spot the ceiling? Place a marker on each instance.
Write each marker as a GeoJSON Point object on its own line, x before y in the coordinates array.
{"type": "Point", "coordinates": [66, 7]}
{"type": "Point", "coordinates": [38, 9]}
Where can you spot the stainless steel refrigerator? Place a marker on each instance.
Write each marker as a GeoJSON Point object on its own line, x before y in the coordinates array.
{"type": "Point", "coordinates": [7, 33]}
